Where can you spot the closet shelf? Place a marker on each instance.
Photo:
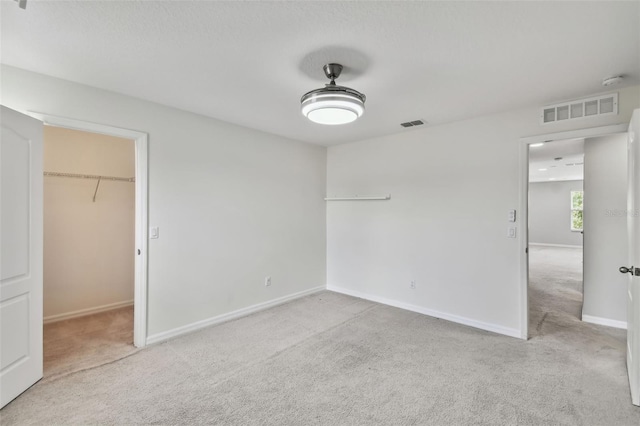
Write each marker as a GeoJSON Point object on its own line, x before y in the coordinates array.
{"type": "Point", "coordinates": [98, 177]}
{"type": "Point", "coordinates": [356, 198]}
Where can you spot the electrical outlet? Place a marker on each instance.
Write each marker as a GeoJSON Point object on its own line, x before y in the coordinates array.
{"type": "Point", "coordinates": [413, 284]}
{"type": "Point", "coordinates": [267, 281]}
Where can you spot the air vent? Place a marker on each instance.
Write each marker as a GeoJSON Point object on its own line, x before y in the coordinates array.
{"type": "Point", "coordinates": [581, 108]}
{"type": "Point", "coordinates": [413, 123]}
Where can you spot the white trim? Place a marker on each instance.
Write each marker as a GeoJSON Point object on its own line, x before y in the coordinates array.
{"type": "Point", "coordinates": [523, 259]}
{"type": "Point", "coordinates": [87, 311]}
{"type": "Point", "coordinates": [178, 331]}
{"type": "Point", "coordinates": [523, 201]}
{"type": "Point", "coordinates": [591, 132]}
{"type": "Point", "coordinates": [511, 332]}
{"type": "Point", "coordinates": [605, 321]}
{"type": "Point", "coordinates": [554, 245]}
{"type": "Point", "coordinates": [556, 180]}
{"type": "Point", "coordinates": [141, 220]}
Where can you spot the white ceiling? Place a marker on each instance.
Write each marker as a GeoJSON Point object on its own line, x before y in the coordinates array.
{"type": "Point", "coordinates": [250, 62]}
{"type": "Point", "coordinates": [557, 160]}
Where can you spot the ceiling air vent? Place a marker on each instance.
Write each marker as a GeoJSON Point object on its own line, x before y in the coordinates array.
{"type": "Point", "coordinates": [412, 123]}
{"type": "Point", "coordinates": [582, 108]}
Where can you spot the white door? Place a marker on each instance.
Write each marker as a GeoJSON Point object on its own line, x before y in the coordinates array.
{"type": "Point", "coordinates": [633, 267]}
{"type": "Point", "coordinates": [20, 253]}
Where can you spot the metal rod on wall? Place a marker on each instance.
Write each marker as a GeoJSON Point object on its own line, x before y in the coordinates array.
{"type": "Point", "coordinates": [99, 177]}
{"type": "Point", "coordinates": [81, 176]}
{"type": "Point", "coordinates": [356, 198]}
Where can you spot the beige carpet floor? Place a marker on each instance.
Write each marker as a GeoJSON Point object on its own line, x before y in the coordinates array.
{"type": "Point", "coordinates": [555, 291]}
{"type": "Point", "coordinates": [86, 342]}
{"type": "Point", "coordinates": [330, 359]}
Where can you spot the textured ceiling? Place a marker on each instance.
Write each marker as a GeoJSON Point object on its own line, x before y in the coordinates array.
{"type": "Point", "coordinates": [249, 62]}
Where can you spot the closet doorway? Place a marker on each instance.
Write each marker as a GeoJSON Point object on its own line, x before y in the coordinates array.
{"type": "Point", "coordinates": [89, 249]}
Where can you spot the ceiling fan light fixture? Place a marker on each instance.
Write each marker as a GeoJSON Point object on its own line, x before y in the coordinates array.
{"type": "Point", "coordinates": [332, 104]}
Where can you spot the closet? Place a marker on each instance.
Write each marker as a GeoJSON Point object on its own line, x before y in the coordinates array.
{"type": "Point", "coordinates": [89, 212]}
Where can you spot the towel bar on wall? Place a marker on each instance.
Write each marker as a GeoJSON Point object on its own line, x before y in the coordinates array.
{"type": "Point", "coordinates": [356, 198]}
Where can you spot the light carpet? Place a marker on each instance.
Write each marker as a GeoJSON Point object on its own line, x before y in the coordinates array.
{"type": "Point", "coordinates": [330, 359]}
{"type": "Point", "coordinates": [80, 343]}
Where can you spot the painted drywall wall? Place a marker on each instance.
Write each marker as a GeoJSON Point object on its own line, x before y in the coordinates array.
{"type": "Point", "coordinates": [88, 246]}
{"type": "Point", "coordinates": [445, 226]}
{"type": "Point", "coordinates": [550, 213]}
{"type": "Point", "coordinates": [233, 205]}
{"type": "Point", "coordinates": [605, 225]}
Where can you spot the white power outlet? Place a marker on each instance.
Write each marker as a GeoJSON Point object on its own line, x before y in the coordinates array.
{"type": "Point", "coordinates": [413, 284]}
{"type": "Point", "coordinates": [267, 281]}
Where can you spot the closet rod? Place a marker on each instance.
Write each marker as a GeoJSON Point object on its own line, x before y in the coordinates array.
{"type": "Point", "coordinates": [80, 176]}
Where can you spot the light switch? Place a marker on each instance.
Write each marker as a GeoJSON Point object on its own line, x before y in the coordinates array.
{"type": "Point", "coordinates": [154, 232]}
{"type": "Point", "coordinates": [511, 232]}
{"type": "Point", "coordinates": [512, 215]}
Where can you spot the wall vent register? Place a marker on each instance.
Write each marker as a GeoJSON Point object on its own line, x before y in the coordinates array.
{"type": "Point", "coordinates": [582, 108]}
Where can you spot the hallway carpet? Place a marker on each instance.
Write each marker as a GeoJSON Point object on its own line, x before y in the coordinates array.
{"type": "Point", "coordinates": [555, 289]}
{"type": "Point", "coordinates": [330, 359]}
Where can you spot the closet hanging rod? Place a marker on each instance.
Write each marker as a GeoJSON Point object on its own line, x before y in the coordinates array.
{"type": "Point", "coordinates": [356, 198]}
{"type": "Point", "coordinates": [81, 176]}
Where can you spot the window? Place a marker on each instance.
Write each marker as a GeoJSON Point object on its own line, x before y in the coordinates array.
{"type": "Point", "coordinates": [576, 210]}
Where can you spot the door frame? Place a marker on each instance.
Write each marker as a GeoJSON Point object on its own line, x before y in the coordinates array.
{"type": "Point", "coordinates": [523, 201]}
{"type": "Point", "coordinates": [141, 210]}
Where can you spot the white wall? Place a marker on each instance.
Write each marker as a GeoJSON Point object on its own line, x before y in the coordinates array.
{"type": "Point", "coordinates": [88, 245]}
{"type": "Point", "coordinates": [233, 205]}
{"type": "Point", "coordinates": [445, 226]}
{"type": "Point", "coordinates": [605, 229]}
{"type": "Point", "coordinates": [550, 213]}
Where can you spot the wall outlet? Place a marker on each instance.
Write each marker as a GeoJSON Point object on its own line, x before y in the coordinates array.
{"type": "Point", "coordinates": [511, 232]}
{"type": "Point", "coordinates": [413, 284]}
{"type": "Point", "coordinates": [267, 281]}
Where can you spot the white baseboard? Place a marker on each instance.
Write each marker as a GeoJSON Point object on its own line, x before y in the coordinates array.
{"type": "Point", "coordinates": [165, 335]}
{"type": "Point", "coordinates": [511, 332]}
{"type": "Point", "coordinates": [85, 312]}
{"type": "Point", "coordinates": [605, 321]}
{"type": "Point", "coordinates": [554, 245]}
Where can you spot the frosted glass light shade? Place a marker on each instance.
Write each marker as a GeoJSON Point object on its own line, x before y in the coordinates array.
{"type": "Point", "coordinates": [333, 105]}
{"type": "Point", "coordinates": [332, 116]}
